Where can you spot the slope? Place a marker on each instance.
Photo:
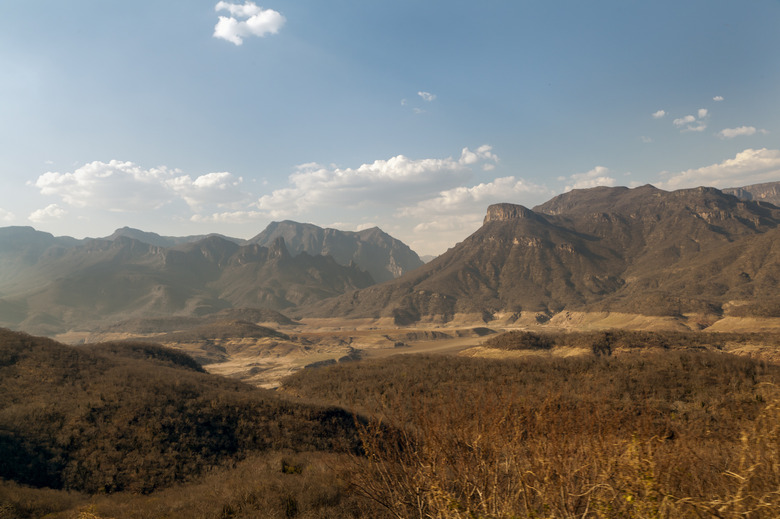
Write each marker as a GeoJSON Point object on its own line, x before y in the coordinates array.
{"type": "Point", "coordinates": [137, 417]}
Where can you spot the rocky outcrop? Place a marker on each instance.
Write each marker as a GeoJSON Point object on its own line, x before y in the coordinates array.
{"type": "Point", "coordinates": [504, 212]}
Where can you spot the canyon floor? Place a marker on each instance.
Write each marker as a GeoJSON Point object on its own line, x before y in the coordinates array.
{"type": "Point", "coordinates": [309, 343]}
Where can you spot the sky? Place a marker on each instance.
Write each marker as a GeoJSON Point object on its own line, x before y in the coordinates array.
{"type": "Point", "coordinates": [189, 117]}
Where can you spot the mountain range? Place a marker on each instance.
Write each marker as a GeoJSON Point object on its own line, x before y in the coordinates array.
{"type": "Point", "coordinates": [52, 284]}
{"type": "Point", "coordinates": [643, 251]}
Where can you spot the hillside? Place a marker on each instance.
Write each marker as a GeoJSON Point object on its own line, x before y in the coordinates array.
{"type": "Point", "coordinates": [137, 417]}
{"type": "Point", "coordinates": [373, 250]}
{"type": "Point", "coordinates": [642, 250]}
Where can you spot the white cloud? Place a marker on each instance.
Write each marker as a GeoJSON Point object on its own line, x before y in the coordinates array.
{"type": "Point", "coordinates": [382, 182]}
{"type": "Point", "coordinates": [646, 139]}
{"type": "Point", "coordinates": [118, 186]}
{"type": "Point", "coordinates": [427, 96]}
{"type": "Point", "coordinates": [476, 198]}
{"type": "Point", "coordinates": [659, 114]}
{"type": "Point", "coordinates": [730, 133]}
{"type": "Point", "coordinates": [686, 124]}
{"type": "Point", "coordinates": [212, 188]}
{"type": "Point", "coordinates": [598, 176]}
{"type": "Point", "coordinates": [699, 127]}
{"type": "Point", "coordinates": [114, 186]}
{"type": "Point", "coordinates": [364, 226]}
{"type": "Point", "coordinates": [6, 216]}
{"type": "Point", "coordinates": [750, 166]}
{"type": "Point", "coordinates": [47, 214]}
{"type": "Point", "coordinates": [231, 217]}
{"type": "Point", "coordinates": [717, 98]}
{"type": "Point", "coordinates": [246, 20]}
{"type": "Point", "coordinates": [682, 121]}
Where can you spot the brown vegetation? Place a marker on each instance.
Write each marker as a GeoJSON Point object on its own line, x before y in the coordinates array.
{"type": "Point", "coordinates": [663, 434]}
{"type": "Point", "coordinates": [670, 427]}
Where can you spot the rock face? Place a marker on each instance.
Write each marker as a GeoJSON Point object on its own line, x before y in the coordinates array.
{"type": "Point", "coordinates": [504, 212]}
{"type": "Point", "coordinates": [372, 250]}
{"type": "Point", "coordinates": [640, 250]}
{"type": "Point", "coordinates": [766, 192]}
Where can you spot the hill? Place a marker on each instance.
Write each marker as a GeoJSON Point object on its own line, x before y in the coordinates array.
{"type": "Point", "coordinates": [641, 250]}
{"type": "Point", "coordinates": [373, 250]}
{"type": "Point", "coordinates": [137, 417]}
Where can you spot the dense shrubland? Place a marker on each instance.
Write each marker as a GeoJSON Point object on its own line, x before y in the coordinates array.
{"type": "Point", "coordinates": [138, 417]}
{"type": "Point", "coordinates": [657, 434]}
{"type": "Point", "coordinates": [671, 427]}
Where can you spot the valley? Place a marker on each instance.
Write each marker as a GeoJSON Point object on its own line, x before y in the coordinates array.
{"type": "Point", "coordinates": [611, 353]}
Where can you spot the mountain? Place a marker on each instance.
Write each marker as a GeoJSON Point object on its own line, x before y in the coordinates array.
{"type": "Point", "coordinates": [766, 192]}
{"type": "Point", "coordinates": [641, 250]}
{"type": "Point", "coordinates": [153, 238]}
{"type": "Point", "coordinates": [373, 250]}
{"type": "Point", "coordinates": [60, 284]}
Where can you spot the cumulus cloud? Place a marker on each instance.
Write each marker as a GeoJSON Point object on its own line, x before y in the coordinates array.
{"type": "Point", "coordinates": [212, 188]}
{"type": "Point", "coordinates": [598, 176]}
{"type": "Point", "coordinates": [750, 166]}
{"type": "Point", "coordinates": [659, 114]}
{"type": "Point", "coordinates": [730, 133]}
{"type": "Point", "coordinates": [691, 123]}
{"type": "Point", "coordinates": [47, 214]}
{"type": "Point", "coordinates": [682, 121]}
{"type": "Point", "coordinates": [114, 186]}
{"type": "Point", "coordinates": [231, 217]}
{"type": "Point", "coordinates": [246, 20]}
{"type": "Point", "coordinates": [119, 186]}
{"type": "Point", "coordinates": [427, 96]}
{"type": "Point", "coordinates": [6, 216]}
{"type": "Point", "coordinates": [717, 98]}
{"type": "Point", "coordinates": [382, 182]}
{"type": "Point", "coordinates": [475, 198]}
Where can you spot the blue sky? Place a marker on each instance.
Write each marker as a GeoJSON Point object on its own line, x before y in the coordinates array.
{"type": "Point", "coordinates": [190, 117]}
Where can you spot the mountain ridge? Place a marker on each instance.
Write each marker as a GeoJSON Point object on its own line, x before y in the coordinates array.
{"type": "Point", "coordinates": [641, 250]}
{"type": "Point", "coordinates": [383, 256]}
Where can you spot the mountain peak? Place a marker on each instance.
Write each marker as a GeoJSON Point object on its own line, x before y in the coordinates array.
{"type": "Point", "coordinates": [504, 212]}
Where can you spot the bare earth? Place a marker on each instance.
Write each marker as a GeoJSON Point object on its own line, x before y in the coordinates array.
{"type": "Point", "coordinates": [316, 342]}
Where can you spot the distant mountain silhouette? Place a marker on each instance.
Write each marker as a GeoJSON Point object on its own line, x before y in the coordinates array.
{"type": "Point", "coordinates": [640, 250]}
{"type": "Point", "coordinates": [60, 283]}
{"type": "Point", "coordinates": [153, 238]}
{"type": "Point", "coordinates": [373, 250]}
